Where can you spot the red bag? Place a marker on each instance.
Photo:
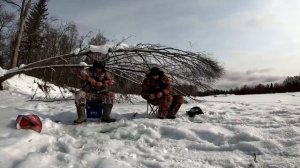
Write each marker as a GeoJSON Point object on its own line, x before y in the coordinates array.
{"type": "Point", "coordinates": [29, 122]}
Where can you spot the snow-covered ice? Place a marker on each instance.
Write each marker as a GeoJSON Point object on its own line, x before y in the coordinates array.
{"type": "Point", "coordinates": [232, 132]}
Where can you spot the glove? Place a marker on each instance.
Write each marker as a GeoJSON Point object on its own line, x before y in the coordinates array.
{"type": "Point", "coordinates": [99, 84]}
{"type": "Point", "coordinates": [95, 83]}
{"type": "Point", "coordinates": [166, 91]}
{"type": "Point", "coordinates": [159, 94]}
{"type": "Point", "coordinates": [92, 81]}
{"type": "Point", "coordinates": [151, 96]}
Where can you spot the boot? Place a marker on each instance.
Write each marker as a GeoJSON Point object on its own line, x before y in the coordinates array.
{"type": "Point", "coordinates": [106, 113]}
{"type": "Point", "coordinates": [81, 115]}
{"type": "Point", "coordinates": [171, 117]}
{"type": "Point", "coordinates": [161, 117]}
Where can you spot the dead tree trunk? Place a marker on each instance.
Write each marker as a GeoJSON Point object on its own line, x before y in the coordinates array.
{"type": "Point", "coordinates": [23, 14]}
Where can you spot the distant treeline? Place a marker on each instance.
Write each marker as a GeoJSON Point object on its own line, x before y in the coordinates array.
{"type": "Point", "coordinates": [290, 84]}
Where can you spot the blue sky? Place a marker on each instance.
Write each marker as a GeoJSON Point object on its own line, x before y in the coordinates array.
{"type": "Point", "coordinates": [256, 41]}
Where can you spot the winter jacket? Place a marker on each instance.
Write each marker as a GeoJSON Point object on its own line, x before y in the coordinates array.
{"type": "Point", "coordinates": [154, 86]}
{"type": "Point", "coordinates": [97, 85]}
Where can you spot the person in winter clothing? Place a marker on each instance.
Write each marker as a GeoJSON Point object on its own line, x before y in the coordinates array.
{"type": "Point", "coordinates": [157, 90]}
{"type": "Point", "coordinates": [96, 84]}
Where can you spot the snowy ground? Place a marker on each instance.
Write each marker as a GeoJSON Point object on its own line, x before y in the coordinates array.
{"type": "Point", "coordinates": [232, 131]}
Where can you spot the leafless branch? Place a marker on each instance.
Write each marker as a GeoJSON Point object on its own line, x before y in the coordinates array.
{"type": "Point", "coordinates": [134, 62]}
{"type": "Point", "coordinates": [13, 3]}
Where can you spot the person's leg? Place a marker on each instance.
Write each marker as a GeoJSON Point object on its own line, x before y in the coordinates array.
{"type": "Point", "coordinates": [80, 101]}
{"type": "Point", "coordinates": [106, 113]}
{"type": "Point", "coordinates": [164, 105]}
{"type": "Point", "coordinates": [107, 105]}
{"type": "Point", "coordinates": [175, 105]}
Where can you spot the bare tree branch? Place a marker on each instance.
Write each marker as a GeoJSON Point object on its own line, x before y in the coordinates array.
{"type": "Point", "coordinates": [132, 63]}
{"type": "Point", "coordinates": [13, 3]}
{"type": "Point", "coordinates": [23, 14]}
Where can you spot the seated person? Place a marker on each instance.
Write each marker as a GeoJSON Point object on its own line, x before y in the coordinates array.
{"type": "Point", "coordinates": [157, 90]}
{"type": "Point", "coordinates": [96, 82]}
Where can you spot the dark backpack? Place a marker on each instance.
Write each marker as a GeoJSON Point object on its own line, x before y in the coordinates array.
{"type": "Point", "coordinates": [194, 111]}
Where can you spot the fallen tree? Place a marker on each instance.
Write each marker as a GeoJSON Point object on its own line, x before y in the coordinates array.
{"type": "Point", "coordinates": [130, 63]}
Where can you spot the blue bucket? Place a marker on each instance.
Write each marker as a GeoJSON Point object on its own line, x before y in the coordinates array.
{"type": "Point", "coordinates": [94, 111]}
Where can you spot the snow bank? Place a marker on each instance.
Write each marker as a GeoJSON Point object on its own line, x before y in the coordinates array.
{"type": "Point", "coordinates": [27, 85]}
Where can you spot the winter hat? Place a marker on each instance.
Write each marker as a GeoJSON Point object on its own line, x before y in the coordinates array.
{"type": "Point", "coordinates": [156, 71]}
{"type": "Point", "coordinates": [98, 64]}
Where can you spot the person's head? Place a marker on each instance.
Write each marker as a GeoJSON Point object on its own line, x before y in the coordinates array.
{"type": "Point", "coordinates": [155, 73]}
{"type": "Point", "coordinates": [98, 66]}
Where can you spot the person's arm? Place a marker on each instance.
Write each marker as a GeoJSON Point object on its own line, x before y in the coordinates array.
{"type": "Point", "coordinates": [108, 80]}
{"type": "Point", "coordinates": [167, 89]}
{"type": "Point", "coordinates": [84, 75]}
{"type": "Point", "coordinates": [145, 89]}
{"type": "Point", "coordinates": [103, 84]}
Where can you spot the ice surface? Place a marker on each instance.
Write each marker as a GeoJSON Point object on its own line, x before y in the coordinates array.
{"type": "Point", "coordinates": [232, 132]}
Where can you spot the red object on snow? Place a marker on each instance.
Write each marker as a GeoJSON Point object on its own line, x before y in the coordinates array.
{"type": "Point", "coordinates": [30, 121]}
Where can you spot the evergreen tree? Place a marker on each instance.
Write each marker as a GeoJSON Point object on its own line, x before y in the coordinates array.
{"type": "Point", "coordinates": [33, 34]}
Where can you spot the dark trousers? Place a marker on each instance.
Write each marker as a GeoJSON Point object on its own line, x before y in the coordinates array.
{"type": "Point", "coordinates": [168, 104]}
